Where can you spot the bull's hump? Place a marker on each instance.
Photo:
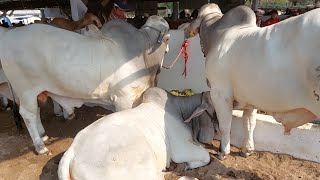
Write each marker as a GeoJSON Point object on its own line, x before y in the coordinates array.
{"type": "Point", "coordinates": [238, 16]}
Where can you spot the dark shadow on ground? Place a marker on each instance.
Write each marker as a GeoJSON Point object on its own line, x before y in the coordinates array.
{"type": "Point", "coordinates": [57, 128]}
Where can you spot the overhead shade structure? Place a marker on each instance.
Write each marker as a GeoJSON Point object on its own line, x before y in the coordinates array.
{"type": "Point", "coordinates": [224, 5]}
{"type": "Point", "coordinates": [32, 4]}
{"type": "Point", "coordinates": [150, 7]}
{"type": "Point", "coordinates": [188, 4]}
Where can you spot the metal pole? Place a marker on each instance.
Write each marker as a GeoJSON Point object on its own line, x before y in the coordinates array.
{"type": "Point", "coordinates": [255, 5]}
{"type": "Point", "coordinates": [43, 16]}
{"type": "Point", "coordinates": [175, 12]}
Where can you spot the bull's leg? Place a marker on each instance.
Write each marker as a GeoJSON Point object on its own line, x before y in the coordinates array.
{"type": "Point", "coordinates": [57, 110]}
{"type": "Point", "coordinates": [29, 112]}
{"type": "Point", "coordinates": [68, 105]}
{"type": "Point", "coordinates": [249, 123]}
{"type": "Point", "coordinates": [60, 111]}
{"type": "Point", "coordinates": [123, 102]}
{"type": "Point", "coordinates": [3, 103]}
{"type": "Point", "coordinates": [188, 152]}
{"type": "Point", "coordinates": [40, 127]}
{"type": "Point", "coordinates": [222, 102]}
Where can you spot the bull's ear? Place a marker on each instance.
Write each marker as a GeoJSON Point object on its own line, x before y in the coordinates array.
{"type": "Point", "coordinates": [198, 111]}
{"type": "Point", "coordinates": [193, 28]}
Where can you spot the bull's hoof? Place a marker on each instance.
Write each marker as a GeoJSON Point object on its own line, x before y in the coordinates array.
{"type": "Point", "coordinates": [44, 151]}
{"type": "Point", "coordinates": [245, 154]}
{"type": "Point", "coordinates": [71, 116]}
{"type": "Point", "coordinates": [46, 140]}
{"type": "Point", "coordinates": [221, 156]}
{"type": "Point", "coordinates": [58, 114]}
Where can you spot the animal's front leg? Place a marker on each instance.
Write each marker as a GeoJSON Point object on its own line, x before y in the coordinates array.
{"type": "Point", "coordinates": [222, 102]}
{"type": "Point", "coordinates": [249, 123]}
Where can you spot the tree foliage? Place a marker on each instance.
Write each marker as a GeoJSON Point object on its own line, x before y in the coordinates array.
{"type": "Point", "coordinates": [274, 2]}
{"type": "Point", "coordinates": [168, 5]}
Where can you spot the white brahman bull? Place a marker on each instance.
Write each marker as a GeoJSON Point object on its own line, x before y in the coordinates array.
{"type": "Point", "coordinates": [114, 68]}
{"type": "Point", "coordinates": [275, 68]}
{"type": "Point", "coordinates": [5, 94]}
{"type": "Point", "coordinates": [140, 143]}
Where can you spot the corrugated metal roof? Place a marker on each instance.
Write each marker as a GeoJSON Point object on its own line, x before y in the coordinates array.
{"type": "Point", "coordinates": [32, 4]}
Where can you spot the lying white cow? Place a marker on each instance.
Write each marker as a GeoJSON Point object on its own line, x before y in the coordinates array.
{"type": "Point", "coordinates": [115, 68]}
{"type": "Point", "coordinates": [275, 68]}
{"type": "Point", "coordinates": [139, 143]}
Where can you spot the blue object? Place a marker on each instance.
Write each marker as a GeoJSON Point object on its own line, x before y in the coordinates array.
{"type": "Point", "coordinates": [7, 20]}
{"type": "Point", "coordinates": [122, 4]}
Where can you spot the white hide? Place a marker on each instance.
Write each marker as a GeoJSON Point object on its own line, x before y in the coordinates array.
{"type": "Point", "coordinates": [183, 26]}
{"type": "Point", "coordinates": [5, 92]}
{"type": "Point", "coordinates": [275, 68]}
{"type": "Point", "coordinates": [74, 69]}
{"type": "Point", "coordinates": [138, 143]}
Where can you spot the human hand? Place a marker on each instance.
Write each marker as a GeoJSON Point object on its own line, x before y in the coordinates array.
{"type": "Point", "coordinates": [90, 19]}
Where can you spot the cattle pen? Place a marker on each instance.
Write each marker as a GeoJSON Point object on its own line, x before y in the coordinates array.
{"type": "Point", "coordinates": [277, 155]}
{"type": "Point", "coordinates": [18, 160]}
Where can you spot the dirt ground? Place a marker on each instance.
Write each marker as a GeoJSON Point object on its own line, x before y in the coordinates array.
{"type": "Point", "coordinates": [19, 162]}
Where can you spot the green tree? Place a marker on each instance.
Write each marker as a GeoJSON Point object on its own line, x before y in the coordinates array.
{"type": "Point", "coordinates": [168, 5]}
{"type": "Point", "coordinates": [274, 2]}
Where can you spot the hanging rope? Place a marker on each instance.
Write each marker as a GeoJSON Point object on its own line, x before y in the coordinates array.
{"type": "Point", "coordinates": [184, 52]}
{"type": "Point", "coordinates": [184, 49]}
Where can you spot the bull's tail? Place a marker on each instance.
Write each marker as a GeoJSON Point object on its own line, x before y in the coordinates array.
{"type": "Point", "coordinates": [64, 165]}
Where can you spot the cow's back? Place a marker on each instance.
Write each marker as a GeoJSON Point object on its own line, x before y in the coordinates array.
{"type": "Point", "coordinates": [61, 61]}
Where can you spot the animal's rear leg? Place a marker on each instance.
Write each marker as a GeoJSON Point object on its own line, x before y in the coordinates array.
{"type": "Point", "coordinates": [3, 103]}
{"type": "Point", "coordinates": [29, 112]}
{"type": "Point", "coordinates": [57, 110]}
{"type": "Point", "coordinates": [249, 123]}
{"type": "Point", "coordinates": [68, 105]}
{"type": "Point", "coordinates": [41, 129]}
{"type": "Point", "coordinates": [223, 104]}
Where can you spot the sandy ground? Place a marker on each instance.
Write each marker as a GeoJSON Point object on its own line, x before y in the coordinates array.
{"type": "Point", "coordinates": [18, 160]}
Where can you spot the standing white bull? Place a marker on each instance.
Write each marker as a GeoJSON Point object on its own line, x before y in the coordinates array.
{"type": "Point", "coordinates": [5, 94]}
{"type": "Point", "coordinates": [275, 68]}
{"type": "Point", "coordinates": [115, 68]}
{"type": "Point", "coordinates": [139, 143]}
